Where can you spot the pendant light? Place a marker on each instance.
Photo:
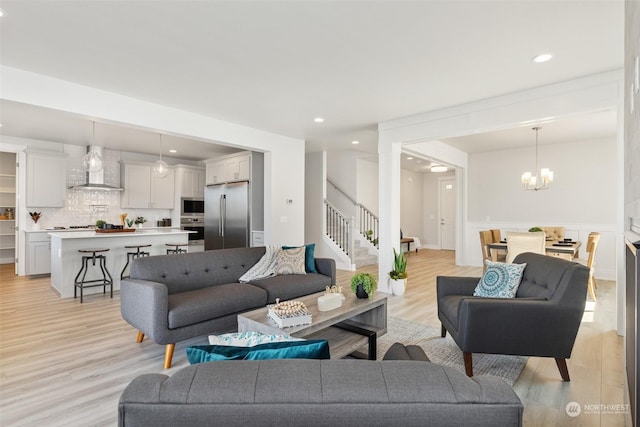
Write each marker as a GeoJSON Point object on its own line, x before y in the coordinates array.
{"type": "Point", "coordinates": [160, 167]}
{"type": "Point", "coordinates": [530, 181]}
{"type": "Point", "coordinates": [92, 161]}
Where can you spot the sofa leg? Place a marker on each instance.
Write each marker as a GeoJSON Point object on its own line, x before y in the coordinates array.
{"type": "Point", "coordinates": [562, 367]}
{"type": "Point", "coordinates": [443, 331]}
{"type": "Point", "coordinates": [140, 337]}
{"type": "Point", "coordinates": [168, 355]}
{"type": "Point", "coordinates": [468, 363]}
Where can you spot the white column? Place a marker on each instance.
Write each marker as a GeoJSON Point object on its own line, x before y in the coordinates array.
{"type": "Point", "coordinates": [388, 209]}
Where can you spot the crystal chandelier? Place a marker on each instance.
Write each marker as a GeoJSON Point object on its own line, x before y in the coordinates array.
{"type": "Point", "coordinates": [92, 161]}
{"type": "Point", "coordinates": [160, 167]}
{"type": "Point", "coordinates": [530, 181]}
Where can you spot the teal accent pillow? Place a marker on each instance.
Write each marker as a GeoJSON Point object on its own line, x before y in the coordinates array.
{"type": "Point", "coordinates": [307, 349]}
{"type": "Point", "coordinates": [500, 280]}
{"type": "Point", "coordinates": [309, 257]}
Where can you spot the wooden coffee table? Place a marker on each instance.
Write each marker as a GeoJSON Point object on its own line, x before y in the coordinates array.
{"type": "Point", "coordinates": [350, 327]}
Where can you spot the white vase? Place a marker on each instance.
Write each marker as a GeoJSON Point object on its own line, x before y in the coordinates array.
{"type": "Point", "coordinates": [35, 226]}
{"type": "Point", "coordinates": [398, 286]}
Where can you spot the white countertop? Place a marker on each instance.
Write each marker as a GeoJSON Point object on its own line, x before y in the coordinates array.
{"type": "Point", "coordinates": [89, 234]}
{"type": "Point", "coordinates": [77, 230]}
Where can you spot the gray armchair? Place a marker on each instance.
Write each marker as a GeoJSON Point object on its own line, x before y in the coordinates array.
{"type": "Point", "coordinates": [542, 320]}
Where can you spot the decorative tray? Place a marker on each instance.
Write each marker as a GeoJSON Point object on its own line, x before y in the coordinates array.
{"type": "Point", "coordinates": [289, 313]}
{"type": "Point", "coordinates": [115, 230]}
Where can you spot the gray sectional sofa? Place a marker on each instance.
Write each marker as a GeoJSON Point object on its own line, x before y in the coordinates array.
{"type": "Point", "coordinates": [172, 298]}
{"type": "Point", "coordinates": [299, 392]}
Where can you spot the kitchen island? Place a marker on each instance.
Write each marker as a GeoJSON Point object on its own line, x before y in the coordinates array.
{"type": "Point", "coordinates": [66, 260]}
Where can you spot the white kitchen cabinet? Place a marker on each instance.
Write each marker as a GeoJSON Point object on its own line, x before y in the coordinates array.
{"type": "Point", "coordinates": [217, 172]}
{"type": "Point", "coordinates": [191, 181]}
{"type": "Point", "coordinates": [143, 190]}
{"type": "Point", "coordinates": [38, 253]}
{"type": "Point", "coordinates": [46, 180]}
{"type": "Point", "coordinates": [230, 168]}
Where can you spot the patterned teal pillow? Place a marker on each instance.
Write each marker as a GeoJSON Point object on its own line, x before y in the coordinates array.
{"type": "Point", "coordinates": [500, 280]}
{"type": "Point", "coordinates": [307, 349]}
{"type": "Point", "coordinates": [309, 257]}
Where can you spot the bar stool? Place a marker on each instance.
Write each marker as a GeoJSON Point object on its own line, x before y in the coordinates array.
{"type": "Point", "coordinates": [176, 248]}
{"type": "Point", "coordinates": [104, 282]}
{"type": "Point", "coordinates": [132, 255]}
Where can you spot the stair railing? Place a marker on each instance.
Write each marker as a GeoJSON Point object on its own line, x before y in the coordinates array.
{"type": "Point", "coordinates": [339, 228]}
{"type": "Point", "coordinates": [368, 224]}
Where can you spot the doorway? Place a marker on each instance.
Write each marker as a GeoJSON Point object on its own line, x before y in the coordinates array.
{"type": "Point", "coordinates": [447, 203]}
{"type": "Point", "coordinates": [8, 217]}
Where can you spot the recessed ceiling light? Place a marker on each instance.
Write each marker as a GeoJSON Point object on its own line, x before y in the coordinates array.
{"type": "Point", "coordinates": [2, 13]}
{"type": "Point", "coordinates": [173, 151]}
{"type": "Point", "coordinates": [355, 142]}
{"type": "Point", "coordinates": [438, 168]}
{"type": "Point", "coordinates": [409, 158]}
{"type": "Point", "coordinates": [318, 120]}
{"type": "Point", "coordinates": [544, 57]}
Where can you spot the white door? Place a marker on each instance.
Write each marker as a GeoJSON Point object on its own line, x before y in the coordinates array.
{"type": "Point", "coordinates": [447, 213]}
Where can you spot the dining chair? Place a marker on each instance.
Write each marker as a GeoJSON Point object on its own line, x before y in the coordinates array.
{"type": "Point", "coordinates": [496, 238]}
{"type": "Point", "coordinates": [519, 242]}
{"type": "Point", "coordinates": [554, 233]}
{"type": "Point", "coordinates": [592, 245]}
{"type": "Point", "coordinates": [485, 239]}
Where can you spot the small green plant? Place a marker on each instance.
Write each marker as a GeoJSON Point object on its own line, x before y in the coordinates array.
{"type": "Point", "coordinates": [399, 266]}
{"type": "Point", "coordinates": [129, 222]}
{"type": "Point", "coordinates": [140, 220]}
{"type": "Point", "coordinates": [100, 223]}
{"type": "Point", "coordinates": [368, 282]}
{"type": "Point", "coordinates": [534, 229]}
{"type": "Point", "coordinates": [369, 236]}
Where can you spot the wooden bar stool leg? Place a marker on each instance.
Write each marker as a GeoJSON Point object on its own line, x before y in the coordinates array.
{"type": "Point", "coordinates": [140, 337]}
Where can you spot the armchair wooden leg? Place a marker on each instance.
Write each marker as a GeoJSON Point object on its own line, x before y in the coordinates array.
{"type": "Point", "coordinates": [468, 363]}
{"type": "Point", "coordinates": [562, 367]}
{"type": "Point", "coordinates": [443, 331]}
{"type": "Point", "coordinates": [168, 355]}
{"type": "Point", "coordinates": [140, 337]}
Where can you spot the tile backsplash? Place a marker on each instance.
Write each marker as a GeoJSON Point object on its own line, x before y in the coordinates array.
{"type": "Point", "coordinates": [85, 207]}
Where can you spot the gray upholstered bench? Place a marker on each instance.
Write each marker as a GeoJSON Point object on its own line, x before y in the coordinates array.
{"type": "Point", "coordinates": [319, 393]}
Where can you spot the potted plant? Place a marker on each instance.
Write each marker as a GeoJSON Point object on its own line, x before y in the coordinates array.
{"type": "Point", "coordinates": [364, 285]}
{"type": "Point", "coordinates": [101, 223]}
{"type": "Point", "coordinates": [535, 229]}
{"type": "Point", "coordinates": [139, 221]}
{"type": "Point", "coordinates": [398, 276]}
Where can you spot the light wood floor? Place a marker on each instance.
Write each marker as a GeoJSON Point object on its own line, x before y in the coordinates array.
{"type": "Point", "coordinates": [65, 364]}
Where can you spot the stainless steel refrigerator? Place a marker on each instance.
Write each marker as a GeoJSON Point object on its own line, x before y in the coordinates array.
{"type": "Point", "coordinates": [226, 216]}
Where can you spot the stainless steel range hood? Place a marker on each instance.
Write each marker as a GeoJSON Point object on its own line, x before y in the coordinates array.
{"type": "Point", "coordinates": [95, 180]}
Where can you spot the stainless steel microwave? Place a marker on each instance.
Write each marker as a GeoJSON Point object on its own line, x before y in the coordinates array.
{"type": "Point", "coordinates": [192, 207]}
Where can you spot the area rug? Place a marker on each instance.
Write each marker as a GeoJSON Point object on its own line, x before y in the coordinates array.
{"type": "Point", "coordinates": [446, 352]}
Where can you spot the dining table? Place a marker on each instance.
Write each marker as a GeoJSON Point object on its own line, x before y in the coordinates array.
{"type": "Point", "coordinates": [558, 248]}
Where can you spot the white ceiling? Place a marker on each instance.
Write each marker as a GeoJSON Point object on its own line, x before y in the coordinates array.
{"type": "Point", "coordinates": [277, 65]}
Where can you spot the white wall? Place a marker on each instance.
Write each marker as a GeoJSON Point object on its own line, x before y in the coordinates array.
{"type": "Point", "coordinates": [411, 196]}
{"type": "Point", "coordinates": [367, 184]}
{"type": "Point", "coordinates": [284, 156]}
{"type": "Point", "coordinates": [583, 190]}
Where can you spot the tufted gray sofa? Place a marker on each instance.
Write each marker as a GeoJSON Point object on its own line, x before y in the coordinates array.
{"type": "Point", "coordinates": [172, 298]}
{"type": "Point", "coordinates": [298, 392]}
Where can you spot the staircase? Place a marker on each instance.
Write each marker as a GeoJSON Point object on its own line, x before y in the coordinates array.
{"type": "Point", "coordinates": [361, 256]}
{"type": "Point", "coordinates": [355, 232]}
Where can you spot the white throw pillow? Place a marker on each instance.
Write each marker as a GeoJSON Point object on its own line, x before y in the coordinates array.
{"type": "Point", "coordinates": [248, 339]}
{"type": "Point", "coordinates": [291, 261]}
{"type": "Point", "coordinates": [500, 280]}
